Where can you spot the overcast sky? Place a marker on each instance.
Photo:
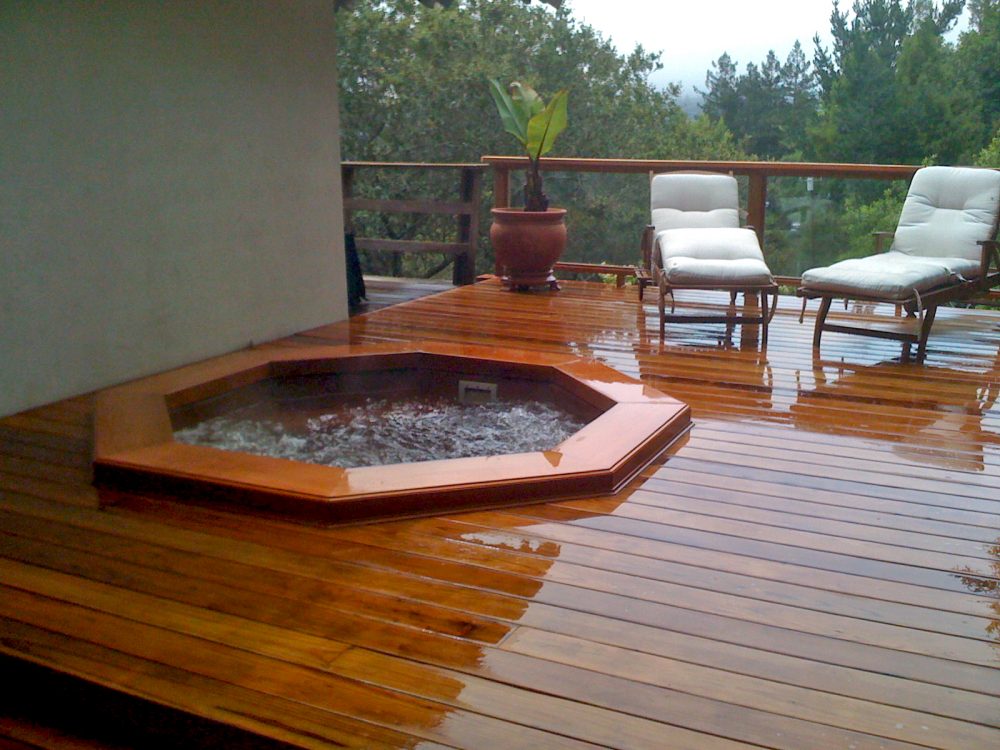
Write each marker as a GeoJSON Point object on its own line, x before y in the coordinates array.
{"type": "Point", "coordinates": [692, 33]}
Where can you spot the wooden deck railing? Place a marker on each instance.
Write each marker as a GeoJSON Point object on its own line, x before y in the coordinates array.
{"type": "Point", "coordinates": [466, 209]}
{"type": "Point", "coordinates": [758, 173]}
{"type": "Point", "coordinates": [461, 251]}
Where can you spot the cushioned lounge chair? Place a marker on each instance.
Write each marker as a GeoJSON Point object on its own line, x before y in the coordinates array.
{"type": "Point", "coordinates": [943, 250]}
{"type": "Point", "coordinates": [695, 242]}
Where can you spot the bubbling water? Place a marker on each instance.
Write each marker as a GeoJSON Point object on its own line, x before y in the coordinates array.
{"type": "Point", "coordinates": [377, 432]}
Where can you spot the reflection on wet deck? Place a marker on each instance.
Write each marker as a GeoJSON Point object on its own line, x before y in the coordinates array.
{"type": "Point", "coordinates": [816, 564]}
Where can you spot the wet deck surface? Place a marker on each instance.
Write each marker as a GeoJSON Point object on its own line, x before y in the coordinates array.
{"type": "Point", "coordinates": [385, 291]}
{"type": "Point", "coordinates": [814, 565]}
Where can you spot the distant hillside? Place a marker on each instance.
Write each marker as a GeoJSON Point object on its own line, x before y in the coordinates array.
{"type": "Point", "coordinates": [690, 102]}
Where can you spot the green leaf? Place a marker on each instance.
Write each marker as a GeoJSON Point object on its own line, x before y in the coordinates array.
{"type": "Point", "coordinates": [527, 98]}
{"type": "Point", "coordinates": [512, 115]}
{"type": "Point", "coordinates": [545, 126]}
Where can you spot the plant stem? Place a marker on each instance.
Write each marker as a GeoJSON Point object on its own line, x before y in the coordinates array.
{"type": "Point", "coordinates": [534, 198]}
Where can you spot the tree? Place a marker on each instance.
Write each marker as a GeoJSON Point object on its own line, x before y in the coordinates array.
{"type": "Point", "coordinates": [800, 100]}
{"type": "Point", "coordinates": [978, 55]}
{"type": "Point", "coordinates": [762, 99]}
{"type": "Point", "coordinates": [990, 156]}
{"type": "Point", "coordinates": [869, 106]}
{"type": "Point", "coordinates": [936, 119]}
{"type": "Point", "coordinates": [890, 89]}
{"type": "Point", "coordinates": [414, 88]}
{"type": "Point", "coordinates": [413, 81]}
{"type": "Point", "coordinates": [767, 108]}
{"type": "Point", "coordinates": [720, 100]}
{"type": "Point", "coordinates": [349, 4]}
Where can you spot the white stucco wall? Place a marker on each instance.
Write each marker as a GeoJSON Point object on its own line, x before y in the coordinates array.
{"type": "Point", "coordinates": [169, 186]}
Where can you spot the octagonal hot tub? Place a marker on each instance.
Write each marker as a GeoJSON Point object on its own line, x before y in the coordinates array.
{"type": "Point", "coordinates": [239, 430]}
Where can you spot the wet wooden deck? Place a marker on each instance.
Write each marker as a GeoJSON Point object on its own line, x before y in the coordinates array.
{"type": "Point", "coordinates": [385, 291]}
{"type": "Point", "coordinates": [815, 565]}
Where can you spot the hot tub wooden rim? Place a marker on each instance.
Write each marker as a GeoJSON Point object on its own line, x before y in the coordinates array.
{"type": "Point", "coordinates": [135, 450]}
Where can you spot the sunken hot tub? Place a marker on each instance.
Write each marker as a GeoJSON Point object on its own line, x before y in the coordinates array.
{"type": "Point", "coordinates": [359, 432]}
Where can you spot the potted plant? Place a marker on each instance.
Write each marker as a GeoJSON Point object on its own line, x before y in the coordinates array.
{"type": "Point", "coordinates": [528, 241]}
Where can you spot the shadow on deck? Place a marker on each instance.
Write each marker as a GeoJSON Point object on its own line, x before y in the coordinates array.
{"type": "Point", "coordinates": [386, 291]}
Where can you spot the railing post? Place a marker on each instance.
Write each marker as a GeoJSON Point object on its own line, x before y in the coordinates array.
{"type": "Point", "coordinates": [470, 192]}
{"type": "Point", "coordinates": [501, 196]}
{"type": "Point", "coordinates": [461, 251]}
{"type": "Point", "coordinates": [757, 204]}
{"type": "Point", "coordinates": [347, 192]}
{"type": "Point", "coordinates": [501, 186]}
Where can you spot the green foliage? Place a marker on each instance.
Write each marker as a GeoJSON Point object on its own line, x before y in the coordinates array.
{"type": "Point", "coordinates": [349, 4]}
{"type": "Point", "coordinates": [978, 55]}
{"type": "Point", "coordinates": [526, 117]}
{"type": "Point", "coordinates": [889, 87]}
{"type": "Point", "coordinates": [818, 239]}
{"type": "Point", "coordinates": [859, 116]}
{"type": "Point", "coordinates": [411, 89]}
{"type": "Point", "coordinates": [769, 108]}
{"type": "Point", "coordinates": [721, 99]}
{"type": "Point", "coordinates": [412, 82]}
{"type": "Point", "coordinates": [990, 156]}
{"type": "Point", "coordinates": [862, 220]}
{"type": "Point", "coordinates": [515, 115]}
{"type": "Point", "coordinates": [535, 125]}
{"type": "Point", "coordinates": [545, 126]}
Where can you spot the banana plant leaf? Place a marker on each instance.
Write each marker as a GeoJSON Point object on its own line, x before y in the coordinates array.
{"type": "Point", "coordinates": [527, 98]}
{"type": "Point", "coordinates": [513, 116]}
{"type": "Point", "coordinates": [544, 127]}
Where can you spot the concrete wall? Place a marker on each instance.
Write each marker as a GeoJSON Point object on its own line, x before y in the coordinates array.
{"type": "Point", "coordinates": [169, 186]}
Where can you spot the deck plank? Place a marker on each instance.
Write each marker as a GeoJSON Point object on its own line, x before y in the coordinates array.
{"type": "Point", "coordinates": [815, 565]}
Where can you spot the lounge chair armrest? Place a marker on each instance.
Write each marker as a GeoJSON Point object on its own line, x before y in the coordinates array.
{"type": "Point", "coordinates": [647, 246]}
{"type": "Point", "coordinates": [991, 252]}
{"type": "Point", "coordinates": [882, 240]}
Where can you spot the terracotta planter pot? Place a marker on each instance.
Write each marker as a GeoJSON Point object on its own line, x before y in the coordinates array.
{"type": "Point", "coordinates": [526, 244]}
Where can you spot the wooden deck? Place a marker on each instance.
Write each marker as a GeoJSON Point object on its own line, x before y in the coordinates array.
{"type": "Point", "coordinates": [815, 565]}
{"type": "Point", "coordinates": [385, 291]}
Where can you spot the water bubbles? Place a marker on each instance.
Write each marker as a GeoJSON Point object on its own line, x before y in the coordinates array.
{"type": "Point", "coordinates": [376, 432]}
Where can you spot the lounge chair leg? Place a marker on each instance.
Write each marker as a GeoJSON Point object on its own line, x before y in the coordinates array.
{"type": "Point", "coordinates": [765, 316]}
{"type": "Point", "coordinates": [663, 312]}
{"type": "Point", "coordinates": [824, 309]}
{"type": "Point", "coordinates": [925, 331]}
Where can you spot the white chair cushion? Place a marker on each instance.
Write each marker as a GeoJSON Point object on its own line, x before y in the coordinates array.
{"type": "Point", "coordinates": [684, 199]}
{"type": "Point", "coordinates": [708, 244]}
{"type": "Point", "coordinates": [709, 272]}
{"type": "Point", "coordinates": [889, 275]}
{"type": "Point", "coordinates": [947, 211]}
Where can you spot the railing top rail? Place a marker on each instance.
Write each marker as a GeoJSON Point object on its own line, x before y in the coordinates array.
{"type": "Point", "coordinates": [770, 168]}
{"type": "Point", "coordinates": [412, 165]}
